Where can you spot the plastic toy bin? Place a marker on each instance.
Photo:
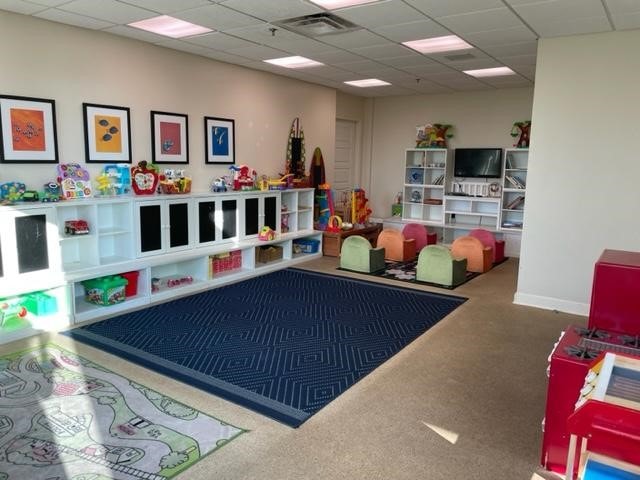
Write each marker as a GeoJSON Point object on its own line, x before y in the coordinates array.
{"type": "Point", "coordinates": [39, 303]}
{"type": "Point", "coordinates": [306, 245]}
{"type": "Point", "coordinates": [131, 290]}
{"type": "Point", "coordinates": [105, 290]}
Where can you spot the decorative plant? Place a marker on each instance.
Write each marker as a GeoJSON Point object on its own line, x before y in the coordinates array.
{"type": "Point", "coordinates": [523, 129]}
{"type": "Point", "coordinates": [433, 135]}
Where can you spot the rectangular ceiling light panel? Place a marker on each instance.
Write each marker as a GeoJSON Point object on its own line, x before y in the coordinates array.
{"type": "Point", "coordinates": [334, 4]}
{"type": "Point", "coordinates": [293, 62]}
{"type": "Point", "coordinates": [170, 27]}
{"type": "Point", "coordinates": [448, 43]}
{"type": "Point", "coordinates": [490, 72]}
{"type": "Point", "coordinates": [368, 82]}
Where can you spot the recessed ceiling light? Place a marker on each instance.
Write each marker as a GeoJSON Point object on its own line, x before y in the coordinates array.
{"type": "Point", "coordinates": [333, 4]}
{"type": "Point", "coordinates": [170, 27]}
{"type": "Point", "coordinates": [490, 72]}
{"type": "Point", "coordinates": [293, 62]}
{"type": "Point", "coordinates": [438, 44]}
{"type": "Point", "coordinates": [368, 82]}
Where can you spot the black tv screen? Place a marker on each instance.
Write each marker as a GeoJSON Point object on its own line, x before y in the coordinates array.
{"type": "Point", "coordinates": [477, 162]}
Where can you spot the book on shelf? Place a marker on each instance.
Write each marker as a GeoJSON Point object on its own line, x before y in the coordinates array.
{"type": "Point", "coordinates": [508, 162]}
{"type": "Point", "coordinates": [516, 182]}
{"type": "Point", "coordinates": [515, 203]}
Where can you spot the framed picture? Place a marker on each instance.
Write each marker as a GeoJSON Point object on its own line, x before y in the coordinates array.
{"type": "Point", "coordinates": [107, 133]}
{"type": "Point", "coordinates": [220, 140]}
{"type": "Point", "coordinates": [169, 137]}
{"type": "Point", "coordinates": [28, 130]}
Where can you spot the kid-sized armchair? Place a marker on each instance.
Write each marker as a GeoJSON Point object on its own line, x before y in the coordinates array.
{"type": "Point", "coordinates": [396, 247]}
{"type": "Point", "coordinates": [479, 258]}
{"type": "Point", "coordinates": [358, 255]}
{"type": "Point", "coordinates": [488, 239]}
{"type": "Point", "coordinates": [420, 234]}
{"type": "Point", "coordinates": [437, 265]}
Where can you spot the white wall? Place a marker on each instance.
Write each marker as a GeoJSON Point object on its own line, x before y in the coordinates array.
{"type": "Point", "coordinates": [72, 65]}
{"type": "Point", "coordinates": [582, 187]}
{"type": "Point", "coordinates": [480, 119]}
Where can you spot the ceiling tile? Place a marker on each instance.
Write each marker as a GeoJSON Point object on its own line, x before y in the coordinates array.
{"type": "Point", "coordinates": [226, 57]}
{"type": "Point", "coordinates": [216, 17]}
{"type": "Point", "coordinates": [19, 6]}
{"type": "Point", "coordinates": [517, 60]}
{"type": "Point", "coordinates": [165, 6]}
{"type": "Point", "coordinates": [379, 14]}
{"type": "Point", "coordinates": [380, 52]}
{"type": "Point", "coordinates": [627, 21]}
{"type": "Point", "coordinates": [270, 11]}
{"type": "Point", "coordinates": [476, 64]}
{"type": "Point", "coordinates": [522, 48]}
{"type": "Point", "coordinates": [510, 81]}
{"type": "Point", "coordinates": [411, 60]}
{"type": "Point", "coordinates": [537, 14]}
{"type": "Point", "coordinates": [308, 47]}
{"type": "Point", "coordinates": [282, 39]}
{"type": "Point", "coordinates": [363, 66]}
{"type": "Point", "coordinates": [69, 18]}
{"type": "Point", "coordinates": [574, 26]}
{"type": "Point", "coordinates": [258, 52]}
{"type": "Point", "coordinates": [412, 31]}
{"type": "Point", "coordinates": [623, 6]}
{"type": "Point", "coordinates": [332, 73]}
{"type": "Point", "coordinates": [108, 10]}
{"type": "Point", "coordinates": [359, 38]}
{"type": "Point", "coordinates": [440, 8]}
{"type": "Point", "coordinates": [218, 41]}
{"type": "Point", "coordinates": [425, 86]}
{"type": "Point", "coordinates": [50, 3]}
{"type": "Point", "coordinates": [526, 71]}
{"type": "Point", "coordinates": [454, 79]}
{"type": "Point", "coordinates": [500, 37]}
{"type": "Point", "coordinates": [183, 46]}
{"type": "Point", "coordinates": [483, 21]}
{"type": "Point", "coordinates": [427, 69]}
{"type": "Point", "coordinates": [337, 56]}
{"type": "Point", "coordinates": [136, 33]}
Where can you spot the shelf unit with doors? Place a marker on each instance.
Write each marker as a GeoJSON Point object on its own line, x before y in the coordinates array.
{"type": "Point", "coordinates": [425, 171]}
{"type": "Point", "coordinates": [514, 185]}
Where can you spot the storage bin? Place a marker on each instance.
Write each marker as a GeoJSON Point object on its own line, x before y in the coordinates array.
{"type": "Point", "coordinates": [268, 253]}
{"type": "Point", "coordinates": [105, 290]}
{"type": "Point", "coordinates": [39, 303]}
{"type": "Point", "coordinates": [224, 262]}
{"type": "Point", "coordinates": [306, 245]}
{"type": "Point", "coordinates": [131, 290]}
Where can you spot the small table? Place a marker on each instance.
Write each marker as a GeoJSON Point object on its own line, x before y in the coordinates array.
{"type": "Point", "coordinates": [332, 241]}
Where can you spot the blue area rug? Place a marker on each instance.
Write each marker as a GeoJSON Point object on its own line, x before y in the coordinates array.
{"type": "Point", "coordinates": [283, 344]}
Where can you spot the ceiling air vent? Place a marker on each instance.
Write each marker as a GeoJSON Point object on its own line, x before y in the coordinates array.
{"type": "Point", "coordinates": [460, 57]}
{"type": "Point", "coordinates": [318, 24]}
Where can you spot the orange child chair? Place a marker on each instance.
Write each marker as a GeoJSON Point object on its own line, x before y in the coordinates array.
{"type": "Point", "coordinates": [488, 239]}
{"type": "Point", "coordinates": [479, 258]}
{"type": "Point", "coordinates": [396, 247]}
{"type": "Point", "coordinates": [420, 234]}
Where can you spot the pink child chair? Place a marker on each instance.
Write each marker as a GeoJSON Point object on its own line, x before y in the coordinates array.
{"type": "Point", "coordinates": [488, 239]}
{"type": "Point", "coordinates": [420, 234]}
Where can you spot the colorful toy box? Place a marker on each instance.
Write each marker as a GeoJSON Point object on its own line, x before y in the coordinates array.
{"type": "Point", "coordinates": [131, 290]}
{"type": "Point", "coordinates": [224, 262]}
{"type": "Point", "coordinates": [105, 290]}
{"type": "Point", "coordinates": [40, 303]}
{"type": "Point", "coordinates": [306, 245]}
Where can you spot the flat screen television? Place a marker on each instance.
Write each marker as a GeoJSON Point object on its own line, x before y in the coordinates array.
{"type": "Point", "coordinates": [477, 162]}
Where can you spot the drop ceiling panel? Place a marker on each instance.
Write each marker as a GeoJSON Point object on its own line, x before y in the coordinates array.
{"type": "Point", "coordinates": [359, 38]}
{"type": "Point", "coordinates": [135, 33]}
{"type": "Point", "coordinates": [164, 6]}
{"type": "Point", "coordinates": [537, 14]}
{"type": "Point", "coordinates": [108, 10]}
{"type": "Point", "coordinates": [308, 47]}
{"type": "Point", "coordinates": [48, 3]}
{"type": "Point", "coordinates": [18, 6]}
{"type": "Point", "coordinates": [476, 64]}
{"type": "Point", "coordinates": [439, 8]}
{"type": "Point", "coordinates": [522, 48]}
{"type": "Point", "coordinates": [382, 51]}
{"type": "Point", "coordinates": [626, 21]}
{"type": "Point", "coordinates": [486, 20]}
{"type": "Point", "coordinates": [217, 17]}
{"type": "Point", "coordinates": [510, 81]}
{"type": "Point", "coordinates": [412, 31]}
{"type": "Point", "coordinates": [184, 47]}
{"type": "Point", "coordinates": [271, 10]}
{"type": "Point", "coordinates": [427, 69]}
{"type": "Point", "coordinates": [257, 52]}
{"type": "Point", "coordinates": [379, 14]}
{"type": "Point", "coordinates": [425, 86]}
{"type": "Point", "coordinates": [412, 60]}
{"type": "Point", "coordinates": [336, 56]}
{"type": "Point", "coordinates": [500, 37]}
{"type": "Point", "coordinates": [363, 66]}
{"type": "Point", "coordinates": [227, 57]}
{"type": "Point", "coordinates": [218, 41]}
{"type": "Point", "coordinates": [518, 60]}
{"type": "Point", "coordinates": [623, 6]}
{"type": "Point", "coordinates": [330, 73]}
{"type": "Point", "coordinates": [69, 18]}
{"type": "Point", "coordinates": [574, 27]}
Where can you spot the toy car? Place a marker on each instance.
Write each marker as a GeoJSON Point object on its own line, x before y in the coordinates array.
{"type": "Point", "coordinates": [76, 227]}
{"type": "Point", "coordinates": [267, 233]}
{"type": "Point", "coordinates": [30, 196]}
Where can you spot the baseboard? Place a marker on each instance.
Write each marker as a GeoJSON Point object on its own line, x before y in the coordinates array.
{"type": "Point", "coordinates": [550, 303]}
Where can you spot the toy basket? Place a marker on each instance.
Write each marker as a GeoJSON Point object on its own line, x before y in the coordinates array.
{"type": "Point", "coordinates": [105, 290]}
{"type": "Point", "coordinates": [182, 185]}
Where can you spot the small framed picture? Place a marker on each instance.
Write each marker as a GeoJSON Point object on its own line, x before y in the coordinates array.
{"type": "Point", "coordinates": [219, 134]}
{"type": "Point", "coordinates": [28, 130]}
{"type": "Point", "coordinates": [107, 133]}
{"type": "Point", "coordinates": [169, 137]}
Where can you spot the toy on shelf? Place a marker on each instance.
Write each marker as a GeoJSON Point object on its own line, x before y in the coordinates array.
{"type": "Point", "coordinates": [295, 164]}
{"type": "Point", "coordinates": [359, 211]}
{"type": "Point", "coordinates": [244, 177]}
{"type": "Point", "coordinates": [324, 200]}
{"type": "Point", "coordinates": [177, 281]}
{"type": "Point", "coordinates": [76, 227]}
{"type": "Point", "coordinates": [282, 183]}
{"type": "Point", "coordinates": [30, 196]}
{"type": "Point", "coordinates": [11, 313]}
{"type": "Point", "coordinates": [12, 191]}
{"type": "Point", "coordinates": [219, 185]}
{"type": "Point", "coordinates": [115, 179]}
{"type": "Point", "coordinates": [144, 179]}
{"type": "Point", "coordinates": [433, 135]}
{"type": "Point", "coordinates": [50, 193]}
{"type": "Point", "coordinates": [266, 233]}
{"type": "Point", "coordinates": [523, 129]}
{"type": "Point", "coordinates": [74, 181]}
{"type": "Point", "coordinates": [174, 181]}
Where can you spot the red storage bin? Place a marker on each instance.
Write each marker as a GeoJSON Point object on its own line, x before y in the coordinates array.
{"type": "Point", "coordinates": [131, 289]}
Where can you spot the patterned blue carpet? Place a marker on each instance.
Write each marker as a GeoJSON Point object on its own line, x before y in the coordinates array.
{"type": "Point", "coordinates": [283, 344]}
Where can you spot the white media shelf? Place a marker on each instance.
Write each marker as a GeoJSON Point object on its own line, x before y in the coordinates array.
{"type": "Point", "coordinates": [161, 237]}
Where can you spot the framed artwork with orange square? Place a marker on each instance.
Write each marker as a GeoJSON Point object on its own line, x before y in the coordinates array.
{"type": "Point", "coordinates": [107, 133]}
{"type": "Point", "coordinates": [27, 130]}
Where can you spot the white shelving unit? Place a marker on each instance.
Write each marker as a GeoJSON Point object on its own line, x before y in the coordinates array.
{"type": "Point", "coordinates": [425, 172]}
{"type": "Point", "coordinates": [514, 186]}
{"type": "Point", "coordinates": [216, 225]}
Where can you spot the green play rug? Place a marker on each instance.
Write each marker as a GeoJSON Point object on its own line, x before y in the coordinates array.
{"type": "Point", "coordinates": [65, 417]}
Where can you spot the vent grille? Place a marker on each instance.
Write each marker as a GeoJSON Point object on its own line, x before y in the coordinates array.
{"type": "Point", "coordinates": [318, 24]}
{"type": "Point", "coordinates": [460, 57]}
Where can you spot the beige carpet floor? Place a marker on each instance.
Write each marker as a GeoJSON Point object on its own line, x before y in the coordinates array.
{"type": "Point", "coordinates": [478, 377]}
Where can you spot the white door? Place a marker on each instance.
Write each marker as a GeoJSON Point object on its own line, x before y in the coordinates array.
{"type": "Point", "coordinates": [345, 160]}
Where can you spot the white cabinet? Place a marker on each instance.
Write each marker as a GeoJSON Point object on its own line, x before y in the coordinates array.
{"type": "Point", "coordinates": [163, 226]}
{"type": "Point", "coordinates": [259, 210]}
{"type": "Point", "coordinates": [514, 185]}
{"type": "Point", "coordinates": [296, 211]}
{"type": "Point", "coordinates": [424, 174]}
{"type": "Point", "coordinates": [463, 214]}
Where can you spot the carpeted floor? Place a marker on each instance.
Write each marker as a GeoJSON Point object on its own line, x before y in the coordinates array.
{"type": "Point", "coordinates": [284, 344]}
{"type": "Point", "coordinates": [64, 416]}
